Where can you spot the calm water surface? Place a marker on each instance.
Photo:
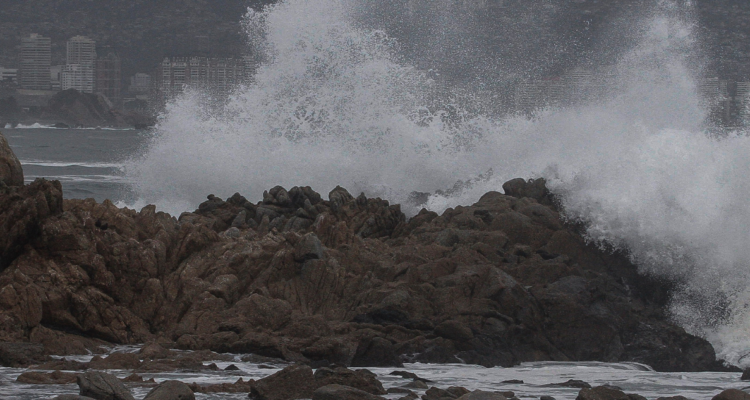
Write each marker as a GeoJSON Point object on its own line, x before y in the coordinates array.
{"type": "Point", "coordinates": [88, 162]}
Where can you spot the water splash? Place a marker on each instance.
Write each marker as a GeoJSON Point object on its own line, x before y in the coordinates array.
{"type": "Point", "coordinates": [336, 103]}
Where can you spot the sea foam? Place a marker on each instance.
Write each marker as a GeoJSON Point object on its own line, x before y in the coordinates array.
{"type": "Point", "coordinates": [336, 103]}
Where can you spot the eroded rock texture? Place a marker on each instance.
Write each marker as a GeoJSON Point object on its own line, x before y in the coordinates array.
{"type": "Point", "coordinates": [345, 280]}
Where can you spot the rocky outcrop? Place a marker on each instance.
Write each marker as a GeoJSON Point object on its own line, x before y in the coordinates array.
{"type": "Point", "coordinates": [11, 173]}
{"type": "Point", "coordinates": [171, 390]}
{"type": "Point", "coordinates": [346, 281]}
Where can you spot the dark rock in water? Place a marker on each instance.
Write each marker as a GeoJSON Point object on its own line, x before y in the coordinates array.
{"type": "Point", "coordinates": [102, 386]}
{"type": "Point", "coordinates": [606, 393]}
{"type": "Point", "coordinates": [673, 398]}
{"type": "Point", "coordinates": [732, 394]}
{"type": "Point", "coordinates": [11, 173]}
{"type": "Point", "coordinates": [376, 352]}
{"type": "Point", "coordinates": [52, 378]}
{"type": "Point", "coordinates": [294, 382]}
{"type": "Point", "coordinates": [409, 375]}
{"type": "Point", "coordinates": [170, 390]}
{"type": "Point", "coordinates": [397, 390]}
{"type": "Point", "coordinates": [61, 125]}
{"type": "Point", "coordinates": [231, 367]}
{"type": "Point", "coordinates": [359, 379]}
{"type": "Point", "coordinates": [340, 392]}
{"type": "Point", "coordinates": [573, 383]}
{"type": "Point", "coordinates": [72, 397]}
{"type": "Point", "coordinates": [745, 375]}
{"type": "Point", "coordinates": [17, 355]}
{"type": "Point", "coordinates": [546, 398]}
{"type": "Point", "coordinates": [516, 381]}
{"type": "Point", "coordinates": [435, 393]}
{"type": "Point", "coordinates": [416, 384]}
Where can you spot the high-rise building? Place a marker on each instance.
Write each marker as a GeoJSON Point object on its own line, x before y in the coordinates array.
{"type": "Point", "coordinates": [140, 83]}
{"type": "Point", "coordinates": [108, 77]}
{"type": "Point", "coordinates": [80, 64]}
{"type": "Point", "coordinates": [214, 75]}
{"type": "Point", "coordinates": [36, 58]}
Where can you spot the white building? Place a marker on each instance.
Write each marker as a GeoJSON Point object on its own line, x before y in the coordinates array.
{"type": "Point", "coordinates": [78, 77]}
{"type": "Point", "coordinates": [79, 69]}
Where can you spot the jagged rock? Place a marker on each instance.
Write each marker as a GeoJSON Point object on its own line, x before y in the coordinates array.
{"type": "Point", "coordinates": [170, 390]}
{"type": "Point", "coordinates": [345, 281]}
{"type": "Point", "coordinates": [102, 386]}
{"type": "Point", "coordinates": [340, 392]}
{"type": "Point", "coordinates": [11, 173]}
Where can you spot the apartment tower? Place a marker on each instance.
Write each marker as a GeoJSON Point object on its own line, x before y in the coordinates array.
{"type": "Point", "coordinates": [36, 58]}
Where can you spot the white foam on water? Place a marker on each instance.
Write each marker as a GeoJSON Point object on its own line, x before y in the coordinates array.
{"type": "Point", "coordinates": [335, 104]}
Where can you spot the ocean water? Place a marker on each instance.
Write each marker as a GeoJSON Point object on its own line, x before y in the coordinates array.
{"type": "Point", "coordinates": [538, 379]}
{"type": "Point", "coordinates": [88, 162]}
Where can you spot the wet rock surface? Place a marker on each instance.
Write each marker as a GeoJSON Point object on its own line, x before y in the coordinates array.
{"type": "Point", "coordinates": [346, 281]}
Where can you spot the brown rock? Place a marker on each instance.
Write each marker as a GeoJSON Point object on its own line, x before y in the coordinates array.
{"type": "Point", "coordinates": [170, 390]}
{"type": "Point", "coordinates": [359, 379]}
{"type": "Point", "coordinates": [52, 378]}
{"type": "Point", "coordinates": [294, 382]}
{"type": "Point", "coordinates": [101, 386]}
{"type": "Point", "coordinates": [601, 393]}
{"type": "Point", "coordinates": [11, 172]}
{"type": "Point", "coordinates": [732, 394]}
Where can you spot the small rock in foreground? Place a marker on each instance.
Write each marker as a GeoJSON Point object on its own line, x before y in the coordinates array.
{"type": "Point", "coordinates": [171, 390]}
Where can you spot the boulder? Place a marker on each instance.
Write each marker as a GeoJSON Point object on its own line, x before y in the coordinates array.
{"type": "Point", "coordinates": [11, 172]}
{"type": "Point", "coordinates": [15, 355]}
{"type": "Point", "coordinates": [732, 394]}
{"type": "Point", "coordinates": [103, 386]}
{"type": "Point", "coordinates": [376, 352]}
{"type": "Point", "coordinates": [72, 397]}
{"type": "Point", "coordinates": [745, 375]}
{"type": "Point", "coordinates": [293, 382]}
{"type": "Point", "coordinates": [454, 330]}
{"type": "Point", "coordinates": [359, 379]}
{"type": "Point", "coordinates": [171, 390]}
{"type": "Point", "coordinates": [340, 392]}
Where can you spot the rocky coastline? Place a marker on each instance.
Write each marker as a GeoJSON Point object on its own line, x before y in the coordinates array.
{"type": "Point", "coordinates": [331, 285]}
